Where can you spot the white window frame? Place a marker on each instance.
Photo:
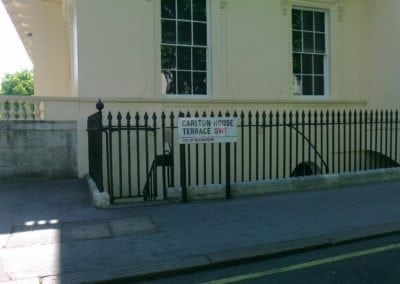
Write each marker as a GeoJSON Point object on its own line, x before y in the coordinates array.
{"type": "Point", "coordinates": [326, 54]}
{"type": "Point", "coordinates": [208, 56]}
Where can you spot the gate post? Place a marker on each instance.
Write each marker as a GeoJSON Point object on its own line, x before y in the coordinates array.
{"type": "Point", "coordinates": [182, 150]}
{"type": "Point", "coordinates": [95, 129]}
{"type": "Point", "coordinates": [228, 166]}
{"type": "Point", "coordinates": [228, 170]}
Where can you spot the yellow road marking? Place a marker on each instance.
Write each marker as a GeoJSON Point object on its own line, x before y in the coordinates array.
{"type": "Point", "coordinates": [305, 265]}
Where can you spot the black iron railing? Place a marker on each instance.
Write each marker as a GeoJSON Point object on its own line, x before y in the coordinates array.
{"type": "Point", "coordinates": [140, 161]}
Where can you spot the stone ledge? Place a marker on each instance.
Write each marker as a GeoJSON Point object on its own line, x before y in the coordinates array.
{"type": "Point", "coordinates": [217, 191]}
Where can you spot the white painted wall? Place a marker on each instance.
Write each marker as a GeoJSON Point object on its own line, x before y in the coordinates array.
{"type": "Point", "coordinates": [50, 50]}
{"type": "Point", "coordinates": [383, 58]}
{"type": "Point", "coordinates": [118, 49]}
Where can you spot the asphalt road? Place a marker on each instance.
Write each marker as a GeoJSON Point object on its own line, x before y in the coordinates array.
{"type": "Point", "coordinates": [368, 261]}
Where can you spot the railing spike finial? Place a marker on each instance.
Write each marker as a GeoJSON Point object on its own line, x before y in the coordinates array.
{"type": "Point", "coordinates": [99, 105]}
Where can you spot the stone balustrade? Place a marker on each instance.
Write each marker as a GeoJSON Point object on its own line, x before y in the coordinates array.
{"type": "Point", "coordinates": [21, 108]}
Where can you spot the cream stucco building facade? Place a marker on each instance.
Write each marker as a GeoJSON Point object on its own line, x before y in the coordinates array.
{"type": "Point", "coordinates": [120, 51]}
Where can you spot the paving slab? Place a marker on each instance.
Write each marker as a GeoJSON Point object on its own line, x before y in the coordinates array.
{"type": "Point", "coordinates": [76, 231]}
{"type": "Point", "coordinates": [132, 226]}
{"type": "Point", "coordinates": [22, 236]}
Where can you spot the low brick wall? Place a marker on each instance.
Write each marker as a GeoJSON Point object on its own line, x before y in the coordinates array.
{"type": "Point", "coordinates": [38, 150]}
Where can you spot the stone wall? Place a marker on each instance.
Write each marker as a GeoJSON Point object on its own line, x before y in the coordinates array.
{"type": "Point", "coordinates": [38, 150]}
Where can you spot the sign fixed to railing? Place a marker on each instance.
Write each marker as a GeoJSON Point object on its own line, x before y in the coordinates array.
{"type": "Point", "coordinates": [207, 130]}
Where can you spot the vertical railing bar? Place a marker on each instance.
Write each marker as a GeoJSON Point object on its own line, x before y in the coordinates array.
{"type": "Point", "coordinates": [315, 137]}
{"type": "Point", "coordinates": [108, 163]}
{"type": "Point", "coordinates": [128, 126]}
{"type": "Point", "coordinates": [250, 116]}
{"type": "Point", "coordinates": [396, 123]}
{"type": "Point", "coordinates": [386, 139]}
{"type": "Point", "coordinates": [119, 118]}
{"type": "Point", "coordinates": [205, 158]}
{"type": "Point", "coordinates": [339, 123]}
{"type": "Point", "coordinates": [110, 129]}
{"type": "Point", "coordinates": [333, 142]}
{"type": "Point", "coordinates": [257, 142]}
{"type": "Point", "coordinates": [183, 166]}
{"type": "Point", "coordinates": [297, 138]}
{"type": "Point", "coordinates": [189, 160]}
{"type": "Point", "coordinates": [355, 141]}
{"type": "Point", "coordinates": [290, 141]}
{"type": "Point", "coordinates": [360, 146]}
{"type": "Point", "coordinates": [242, 143]}
{"type": "Point", "coordinates": [212, 156]}
{"type": "Point", "coordinates": [264, 116]}
{"type": "Point", "coordinates": [322, 140]}
{"type": "Point", "coordinates": [350, 142]}
{"type": "Point", "coordinates": [344, 141]}
{"type": "Point", "coordinates": [309, 122]}
{"type": "Point", "coordinates": [220, 157]}
{"type": "Point", "coordinates": [196, 114]}
{"type": "Point", "coordinates": [376, 138]}
{"type": "Point", "coordinates": [365, 138]}
{"type": "Point", "coordinates": [381, 142]}
{"type": "Point", "coordinates": [391, 136]}
{"type": "Point", "coordinates": [137, 118]}
{"type": "Point", "coordinates": [155, 185]}
{"type": "Point", "coordinates": [371, 145]}
{"type": "Point", "coordinates": [270, 144]}
{"type": "Point", "coordinates": [284, 146]}
{"type": "Point", "coordinates": [146, 139]}
{"type": "Point", "coordinates": [172, 117]}
{"type": "Point", "coordinates": [327, 141]}
{"type": "Point", "coordinates": [228, 166]}
{"type": "Point", "coordinates": [165, 172]}
{"type": "Point", "coordinates": [235, 155]}
{"type": "Point", "coordinates": [303, 141]}
{"type": "Point", "coordinates": [277, 145]}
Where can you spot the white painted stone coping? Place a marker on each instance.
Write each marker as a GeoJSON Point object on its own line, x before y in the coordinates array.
{"type": "Point", "coordinates": [217, 191]}
{"type": "Point", "coordinates": [100, 199]}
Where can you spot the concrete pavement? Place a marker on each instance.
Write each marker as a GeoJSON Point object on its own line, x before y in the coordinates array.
{"type": "Point", "coordinates": [49, 233]}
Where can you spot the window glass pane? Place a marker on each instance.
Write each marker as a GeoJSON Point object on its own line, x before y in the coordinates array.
{"type": "Point", "coordinates": [319, 86]}
{"type": "Point", "coordinates": [184, 58]}
{"type": "Point", "coordinates": [319, 21]}
{"type": "Point", "coordinates": [184, 83]}
{"type": "Point", "coordinates": [200, 34]}
{"type": "Point", "coordinates": [320, 43]}
{"type": "Point", "coordinates": [319, 64]}
{"type": "Point", "coordinates": [199, 59]}
{"type": "Point", "coordinates": [184, 33]}
{"type": "Point", "coordinates": [184, 9]}
{"type": "Point", "coordinates": [296, 63]}
{"type": "Point", "coordinates": [296, 19]}
{"type": "Point", "coordinates": [308, 20]}
{"type": "Point", "coordinates": [168, 82]}
{"type": "Point", "coordinates": [168, 9]}
{"type": "Point", "coordinates": [199, 83]}
{"type": "Point", "coordinates": [307, 64]}
{"type": "Point", "coordinates": [168, 57]}
{"type": "Point", "coordinates": [168, 31]}
{"type": "Point", "coordinates": [297, 41]}
{"type": "Point", "coordinates": [307, 85]}
{"type": "Point", "coordinates": [297, 85]}
{"type": "Point", "coordinates": [199, 10]}
{"type": "Point", "coordinates": [308, 39]}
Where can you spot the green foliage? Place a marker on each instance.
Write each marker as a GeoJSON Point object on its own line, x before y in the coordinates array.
{"type": "Point", "coordinates": [18, 84]}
